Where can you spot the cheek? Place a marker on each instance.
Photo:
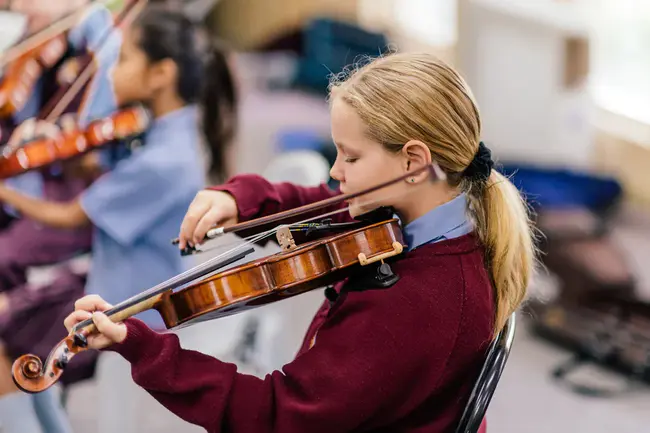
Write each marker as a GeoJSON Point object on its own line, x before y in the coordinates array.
{"type": "Point", "coordinates": [128, 83]}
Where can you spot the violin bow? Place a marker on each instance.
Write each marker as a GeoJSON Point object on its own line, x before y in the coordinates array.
{"type": "Point", "coordinates": [434, 170]}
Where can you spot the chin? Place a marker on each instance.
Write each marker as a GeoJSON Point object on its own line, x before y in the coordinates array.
{"type": "Point", "coordinates": [355, 211]}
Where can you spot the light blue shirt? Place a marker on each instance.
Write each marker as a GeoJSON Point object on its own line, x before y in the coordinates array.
{"type": "Point", "coordinates": [447, 221]}
{"type": "Point", "coordinates": [138, 207]}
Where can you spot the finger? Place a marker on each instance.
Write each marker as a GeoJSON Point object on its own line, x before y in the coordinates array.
{"type": "Point", "coordinates": [76, 317]}
{"type": "Point", "coordinates": [21, 133]}
{"type": "Point", "coordinates": [92, 303]}
{"type": "Point", "coordinates": [47, 130]}
{"type": "Point", "coordinates": [192, 217]}
{"type": "Point", "coordinates": [68, 123]}
{"type": "Point", "coordinates": [106, 327]}
{"type": "Point", "coordinates": [209, 220]}
{"type": "Point", "coordinates": [28, 130]}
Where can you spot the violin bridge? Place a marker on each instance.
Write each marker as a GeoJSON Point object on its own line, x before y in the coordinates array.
{"type": "Point", "coordinates": [285, 239]}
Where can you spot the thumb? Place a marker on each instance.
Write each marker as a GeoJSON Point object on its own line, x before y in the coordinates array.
{"type": "Point", "coordinates": [113, 331]}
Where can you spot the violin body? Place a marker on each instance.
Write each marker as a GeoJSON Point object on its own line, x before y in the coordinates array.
{"type": "Point", "coordinates": [20, 76]}
{"type": "Point", "coordinates": [288, 273]}
{"type": "Point", "coordinates": [74, 142]}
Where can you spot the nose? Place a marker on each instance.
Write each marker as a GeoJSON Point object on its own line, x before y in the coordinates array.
{"type": "Point", "coordinates": [336, 172]}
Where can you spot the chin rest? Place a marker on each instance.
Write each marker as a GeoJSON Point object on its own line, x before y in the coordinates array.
{"type": "Point", "coordinates": [487, 381]}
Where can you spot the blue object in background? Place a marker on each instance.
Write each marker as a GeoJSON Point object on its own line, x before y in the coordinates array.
{"type": "Point", "coordinates": [329, 46]}
{"type": "Point", "coordinates": [299, 139]}
{"type": "Point", "coordinates": [561, 188]}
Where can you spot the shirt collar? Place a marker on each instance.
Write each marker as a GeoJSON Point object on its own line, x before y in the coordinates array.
{"type": "Point", "coordinates": [172, 119]}
{"type": "Point", "coordinates": [443, 222]}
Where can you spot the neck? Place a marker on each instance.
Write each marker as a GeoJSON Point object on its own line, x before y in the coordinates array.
{"type": "Point", "coordinates": [428, 199]}
{"type": "Point", "coordinates": [165, 104]}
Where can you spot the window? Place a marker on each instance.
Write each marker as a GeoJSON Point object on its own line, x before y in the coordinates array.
{"type": "Point", "coordinates": [431, 21]}
{"type": "Point", "coordinates": [620, 66]}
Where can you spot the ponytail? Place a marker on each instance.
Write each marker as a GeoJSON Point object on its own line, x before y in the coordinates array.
{"type": "Point", "coordinates": [504, 227]}
{"type": "Point", "coordinates": [219, 100]}
{"type": "Point", "coordinates": [204, 75]}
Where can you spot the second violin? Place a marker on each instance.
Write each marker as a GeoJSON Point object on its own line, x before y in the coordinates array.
{"type": "Point", "coordinates": [72, 142]}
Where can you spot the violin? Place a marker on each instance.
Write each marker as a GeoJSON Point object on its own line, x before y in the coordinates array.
{"type": "Point", "coordinates": [296, 269]}
{"type": "Point", "coordinates": [21, 76]}
{"type": "Point", "coordinates": [72, 142]}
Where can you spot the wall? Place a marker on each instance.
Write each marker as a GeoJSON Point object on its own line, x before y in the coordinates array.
{"type": "Point", "coordinates": [247, 24]}
{"type": "Point", "coordinates": [525, 63]}
{"type": "Point", "coordinates": [622, 149]}
{"type": "Point", "coordinates": [515, 60]}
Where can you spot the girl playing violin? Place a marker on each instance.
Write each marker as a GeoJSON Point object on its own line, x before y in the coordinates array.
{"type": "Point", "coordinates": [137, 205]}
{"type": "Point", "coordinates": [402, 358]}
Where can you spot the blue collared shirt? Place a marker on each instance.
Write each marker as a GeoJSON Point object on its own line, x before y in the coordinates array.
{"type": "Point", "coordinates": [447, 221]}
{"type": "Point", "coordinates": [138, 206]}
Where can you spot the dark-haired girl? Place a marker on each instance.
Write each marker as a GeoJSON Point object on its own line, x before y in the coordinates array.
{"type": "Point", "coordinates": [138, 204]}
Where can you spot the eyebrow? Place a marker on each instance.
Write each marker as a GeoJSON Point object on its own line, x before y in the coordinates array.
{"type": "Point", "coordinates": [341, 146]}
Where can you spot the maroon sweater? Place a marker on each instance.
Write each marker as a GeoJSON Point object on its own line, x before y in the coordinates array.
{"type": "Point", "coordinates": [402, 359]}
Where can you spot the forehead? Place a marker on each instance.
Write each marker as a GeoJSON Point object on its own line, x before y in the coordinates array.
{"type": "Point", "coordinates": [131, 38]}
{"type": "Point", "coordinates": [347, 126]}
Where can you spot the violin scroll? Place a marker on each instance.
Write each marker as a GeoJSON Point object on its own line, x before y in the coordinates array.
{"type": "Point", "coordinates": [32, 376]}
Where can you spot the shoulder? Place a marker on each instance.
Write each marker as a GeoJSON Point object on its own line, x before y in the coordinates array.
{"type": "Point", "coordinates": [441, 287]}
{"type": "Point", "coordinates": [177, 160]}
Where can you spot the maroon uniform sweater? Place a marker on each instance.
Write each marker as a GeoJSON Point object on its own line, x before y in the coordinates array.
{"type": "Point", "coordinates": [399, 359]}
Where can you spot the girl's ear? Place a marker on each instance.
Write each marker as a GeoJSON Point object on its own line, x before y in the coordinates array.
{"type": "Point", "coordinates": [162, 74]}
{"type": "Point", "coordinates": [416, 154]}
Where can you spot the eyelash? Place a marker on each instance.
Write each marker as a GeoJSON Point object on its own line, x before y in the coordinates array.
{"type": "Point", "coordinates": [350, 160]}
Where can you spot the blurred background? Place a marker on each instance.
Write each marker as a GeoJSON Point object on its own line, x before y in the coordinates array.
{"type": "Point", "coordinates": [564, 92]}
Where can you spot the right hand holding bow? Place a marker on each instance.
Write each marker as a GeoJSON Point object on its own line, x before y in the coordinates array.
{"type": "Point", "coordinates": [209, 208]}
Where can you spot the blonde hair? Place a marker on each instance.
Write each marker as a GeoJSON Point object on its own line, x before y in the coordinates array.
{"type": "Point", "coordinates": [410, 96]}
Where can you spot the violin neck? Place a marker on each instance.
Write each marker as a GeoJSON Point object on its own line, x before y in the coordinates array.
{"type": "Point", "coordinates": [137, 308]}
{"type": "Point", "coordinates": [120, 313]}
{"type": "Point", "coordinates": [148, 299]}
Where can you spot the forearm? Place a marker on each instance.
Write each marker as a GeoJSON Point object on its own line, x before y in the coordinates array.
{"type": "Point", "coordinates": [256, 197]}
{"type": "Point", "coordinates": [53, 214]}
{"type": "Point", "coordinates": [190, 384]}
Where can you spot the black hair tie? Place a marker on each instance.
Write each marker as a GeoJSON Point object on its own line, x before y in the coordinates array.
{"type": "Point", "coordinates": [481, 166]}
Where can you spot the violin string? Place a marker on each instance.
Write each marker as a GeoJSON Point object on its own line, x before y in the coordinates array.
{"type": "Point", "coordinates": [174, 280]}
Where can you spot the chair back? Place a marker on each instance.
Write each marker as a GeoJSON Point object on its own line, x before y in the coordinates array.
{"type": "Point", "coordinates": [488, 379]}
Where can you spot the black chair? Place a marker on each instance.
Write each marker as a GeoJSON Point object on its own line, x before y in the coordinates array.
{"type": "Point", "coordinates": [487, 381]}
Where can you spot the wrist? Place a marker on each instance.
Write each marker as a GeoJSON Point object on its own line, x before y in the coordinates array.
{"type": "Point", "coordinates": [137, 343]}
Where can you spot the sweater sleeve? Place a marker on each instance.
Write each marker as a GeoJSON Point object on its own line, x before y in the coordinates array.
{"type": "Point", "coordinates": [256, 197]}
{"type": "Point", "coordinates": [365, 370]}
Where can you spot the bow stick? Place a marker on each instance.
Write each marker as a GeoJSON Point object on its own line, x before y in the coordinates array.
{"type": "Point", "coordinates": [433, 168]}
